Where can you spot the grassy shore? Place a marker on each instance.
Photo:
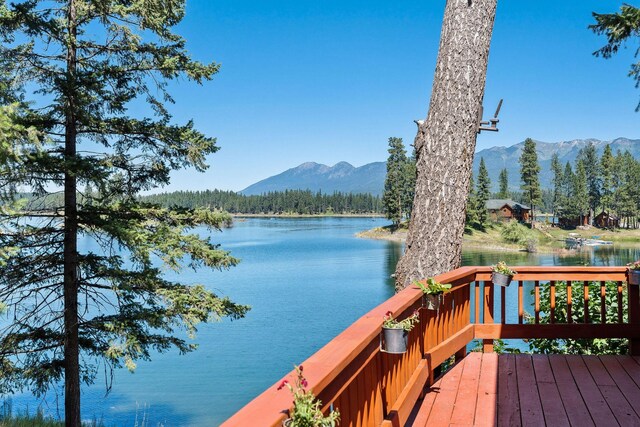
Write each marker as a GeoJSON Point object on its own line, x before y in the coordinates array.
{"type": "Point", "coordinates": [547, 239]}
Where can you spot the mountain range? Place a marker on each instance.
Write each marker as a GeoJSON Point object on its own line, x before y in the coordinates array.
{"type": "Point", "coordinates": [369, 178]}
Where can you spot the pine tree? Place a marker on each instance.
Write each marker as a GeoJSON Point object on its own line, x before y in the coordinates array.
{"type": "Point", "coordinates": [606, 169]}
{"type": "Point", "coordinates": [589, 158]}
{"type": "Point", "coordinates": [580, 191]}
{"type": "Point", "coordinates": [529, 175]}
{"type": "Point", "coordinates": [503, 180]}
{"type": "Point", "coordinates": [471, 214]}
{"type": "Point", "coordinates": [558, 197]}
{"type": "Point", "coordinates": [409, 184]}
{"type": "Point", "coordinates": [618, 28]}
{"type": "Point", "coordinates": [394, 197]}
{"type": "Point", "coordinates": [483, 193]}
{"type": "Point", "coordinates": [72, 309]}
{"type": "Point", "coordinates": [446, 141]}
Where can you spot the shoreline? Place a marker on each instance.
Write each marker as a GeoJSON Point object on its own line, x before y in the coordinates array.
{"type": "Point", "coordinates": [551, 240]}
{"type": "Point", "coordinates": [286, 215]}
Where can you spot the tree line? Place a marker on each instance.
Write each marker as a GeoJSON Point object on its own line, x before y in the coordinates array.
{"type": "Point", "coordinates": [303, 202]}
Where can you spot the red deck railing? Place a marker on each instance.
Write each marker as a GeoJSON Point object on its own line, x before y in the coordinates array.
{"type": "Point", "coordinates": [373, 388]}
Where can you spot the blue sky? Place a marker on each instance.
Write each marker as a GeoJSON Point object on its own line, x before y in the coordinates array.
{"type": "Point", "coordinates": [332, 80]}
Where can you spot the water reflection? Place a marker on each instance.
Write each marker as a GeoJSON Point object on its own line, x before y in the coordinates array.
{"type": "Point", "coordinates": [394, 251]}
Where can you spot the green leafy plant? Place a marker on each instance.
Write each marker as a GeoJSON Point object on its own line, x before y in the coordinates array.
{"type": "Point", "coordinates": [406, 324]}
{"type": "Point", "coordinates": [580, 346]}
{"type": "Point", "coordinates": [634, 265]}
{"type": "Point", "coordinates": [433, 287]}
{"type": "Point", "coordinates": [306, 407]}
{"type": "Point", "coordinates": [503, 268]}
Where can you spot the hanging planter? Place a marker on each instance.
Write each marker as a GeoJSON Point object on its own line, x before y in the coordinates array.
{"type": "Point", "coordinates": [633, 277]}
{"type": "Point", "coordinates": [501, 274]}
{"type": "Point", "coordinates": [432, 302]}
{"type": "Point", "coordinates": [501, 279]}
{"type": "Point", "coordinates": [395, 333]}
{"type": "Point", "coordinates": [394, 340]}
{"type": "Point", "coordinates": [433, 292]}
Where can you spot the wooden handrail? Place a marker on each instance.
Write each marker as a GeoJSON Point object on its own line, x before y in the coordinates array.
{"type": "Point", "coordinates": [372, 388]}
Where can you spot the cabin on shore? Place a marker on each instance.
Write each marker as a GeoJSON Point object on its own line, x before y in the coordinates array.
{"type": "Point", "coordinates": [506, 209]}
{"type": "Point", "coordinates": [572, 222]}
{"type": "Point", "coordinates": [606, 220]}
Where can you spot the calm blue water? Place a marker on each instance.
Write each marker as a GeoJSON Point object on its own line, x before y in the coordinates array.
{"type": "Point", "coordinates": [306, 280]}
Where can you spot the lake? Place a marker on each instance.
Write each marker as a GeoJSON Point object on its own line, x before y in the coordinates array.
{"type": "Point", "coordinates": [306, 279]}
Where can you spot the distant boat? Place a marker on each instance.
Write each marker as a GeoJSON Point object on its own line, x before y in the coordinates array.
{"type": "Point", "coordinates": [573, 241]}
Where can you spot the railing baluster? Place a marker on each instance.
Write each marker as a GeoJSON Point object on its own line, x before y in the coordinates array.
{"type": "Point", "coordinates": [520, 303]}
{"type": "Point", "coordinates": [569, 303]}
{"type": "Point", "coordinates": [552, 313]}
{"type": "Point", "coordinates": [487, 346]}
{"type": "Point", "coordinates": [620, 311]}
{"type": "Point", "coordinates": [503, 297]}
{"type": "Point", "coordinates": [585, 287]}
{"type": "Point", "coordinates": [537, 301]}
{"type": "Point", "coordinates": [477, 290]}
{"type": "Point", "coordinates": [603, 309]}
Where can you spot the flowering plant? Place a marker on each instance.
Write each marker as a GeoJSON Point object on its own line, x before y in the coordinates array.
{"type": "Point", "coordinates": [433, 287]}
{"type": "Point", "coordinates": [634, 265]}
{"type": "Point", "coordinates": [503, 268]}
{"type": "Point", "coordinates": [306, 408]}
{"type": "Point", "coordinates": [406, 324]}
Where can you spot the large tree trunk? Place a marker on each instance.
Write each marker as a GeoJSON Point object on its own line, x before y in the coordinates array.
{"type": "Point", "coordinates": [446, 142]}
{"type": "Point", "coordinates": [71, 344]}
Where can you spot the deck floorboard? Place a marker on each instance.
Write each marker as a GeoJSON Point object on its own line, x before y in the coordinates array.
{"type": "Point", "coordinates": [534, 390]}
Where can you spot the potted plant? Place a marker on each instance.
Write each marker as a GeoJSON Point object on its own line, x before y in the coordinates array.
{"type": "Point", "coordinates": [633, 272]}
{"type": "Point", "coordinates": [433, 292]}
{"type": "Point", "coordinates": [501, 274]}
{"type": "Point", "coordinates": [395, 333]}
{"type": "Point", "coordinates": [306, 408]}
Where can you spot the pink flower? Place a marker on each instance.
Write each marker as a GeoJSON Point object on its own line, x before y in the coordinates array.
{"type": "Point", "coordinates": [300, 367]}
{"type": "Point", "coordinates": [389, 313]}
{"type": "Point", "coordinates": [282, 384]}
{"type": "Point", "coordinates": [304, 383]}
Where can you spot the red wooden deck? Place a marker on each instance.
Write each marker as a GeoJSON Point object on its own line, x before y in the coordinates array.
{"type": "Point", "coordinates": [534, 390]}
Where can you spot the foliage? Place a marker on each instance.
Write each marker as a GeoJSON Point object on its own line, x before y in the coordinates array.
{"type": "Point", "coordinates": [558, 176]}
{"type": "Point", "coordinates": [606, 178]}
{"type": "Point", "coordinates": [618, 28]}
{"type": "Point", "coordinates": [580, 346]}
{"type": "Point", "coordinates": [483, 193]}
{"type": "Point", "coordinates": [503, 180]}
{"type": "Point", "coordinates": [471, 214]}
{"type": "Point", "coordinates": [397, 195]}
{"type": "Point", "coordinates": [433, 287]}
{"type": "Point", "coordinates": [500, 346]}
{"type": "Point", "coordinates": [634, 265]}
{"type": "Point", "coordinates": [10, 419]}
{"type": "Point", "coordinates": [306, 408]}
{"type": "Point", "coordinates": [529, 175]}
{"type": "Point", "coordinates": [406, 324]}
{"type": "Point", "coordinates": [589, 158]}
{"type": "Point", "coordinates": [81, 65]}
{"type": "Point", "coordinates": [513, 232]}
{"type": "Point", "coordinates": [302, 202]}
{"type": "Point", "coordinates": [502, 268]}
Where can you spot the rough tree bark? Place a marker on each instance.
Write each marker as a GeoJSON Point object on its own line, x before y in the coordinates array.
{"type": "Point", "coordinates": [446, 141]}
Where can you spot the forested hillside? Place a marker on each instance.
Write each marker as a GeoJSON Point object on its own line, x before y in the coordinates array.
{"type": "Point", "coordinates": [277, 202]}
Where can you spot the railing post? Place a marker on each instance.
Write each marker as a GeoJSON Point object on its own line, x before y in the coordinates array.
{"type": "Point", "coordinates": [634, 317]}
{"type": "Point", "coordinates": [487, 344]}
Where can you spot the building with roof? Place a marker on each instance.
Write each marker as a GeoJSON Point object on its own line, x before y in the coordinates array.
{"type": "Point", "coordinates": [507, 209]}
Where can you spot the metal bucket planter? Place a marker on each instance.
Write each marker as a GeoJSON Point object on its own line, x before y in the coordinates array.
{"type": "Point", "coordinates": [501, 279]}
{"type": "Point", "coordinates": [394, 341]}
{"type": "Point", "coordinates": [432, 302]}
{"type": "Point", "coordinates": [634, 277]}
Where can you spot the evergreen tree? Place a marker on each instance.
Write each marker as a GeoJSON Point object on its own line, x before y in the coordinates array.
{"type": "Point", "coordinates": [529, 175]}
{"type": "Point", "coordinates": [589, 158]}
{"type": "Point", "coordinates": [394, 197]}
{"type": "Point", "coordinates": [558, 199]}
{"type": "Point", "coordinates": [580, 191]}
{"type": "Point", "coordinates": [503, 180]}
{"type": "Point", "coordinates": [409, 184]}
{"type": "Point", "coordinates": [471, 213]}
{"type": "Point", "coordinates": [483, 192]}
{"type": "Point", "coordinates": [568, 207]}
{"type": "Point", "coordinates": [618, 28]}
{"type": "Point", "coordinates": [73, 310]}
{"type": "Point", "coordinates": [606, 170]}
